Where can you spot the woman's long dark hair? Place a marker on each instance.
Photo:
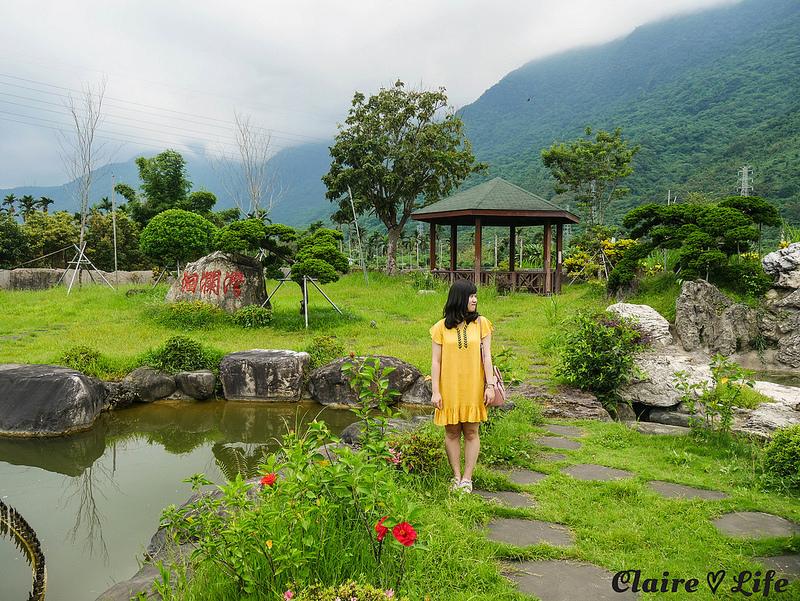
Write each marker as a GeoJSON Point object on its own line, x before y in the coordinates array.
{"type": "Point", "coordinates": [455, 309]}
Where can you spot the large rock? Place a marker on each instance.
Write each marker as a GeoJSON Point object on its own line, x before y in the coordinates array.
{"type": "Point", "coordinates": [199, 384]}
{"type": "Point", "coordinates": [565, 403]}
{"type": "Point", "coordinates": [47, 400]}
{"type": "Point", "coordinates": [263, 375]}
{"type": "Point", "coordinates": [783, 266]}
{"type": "Point", "coordinates": [654, 384]}
{"type": "Point", "coordinates": [229, 281]}
{"type": "Point", "coordinates": [329, 385]}
{"type": "Point", "coordinates": [706, 318]}
{"type": "Point", "coordinates": [649, 320]}
{"type": "Point", "coordinates": [150, 384]}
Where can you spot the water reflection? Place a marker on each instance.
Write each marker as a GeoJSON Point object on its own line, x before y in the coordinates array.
{"type": "Point", "coordinates": [95, 498]}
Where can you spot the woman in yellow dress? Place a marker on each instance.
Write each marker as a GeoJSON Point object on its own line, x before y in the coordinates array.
{"type": "Point", "coordinates": [460, 389]}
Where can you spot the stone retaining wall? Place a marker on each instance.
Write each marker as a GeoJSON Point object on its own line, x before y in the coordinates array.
{"type": "Point", "coordinates": [43, 279]}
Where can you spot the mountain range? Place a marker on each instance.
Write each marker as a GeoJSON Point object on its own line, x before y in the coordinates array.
{"type": "Point", "coordinates": [704, 94]}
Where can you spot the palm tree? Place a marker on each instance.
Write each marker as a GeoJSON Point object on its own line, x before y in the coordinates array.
{"type": "Point", "coordinates": [45, 202]}
{"type": "Point", "coordinates": [28, 206]}
{"type": "Point", "coordinates": [9, 201]}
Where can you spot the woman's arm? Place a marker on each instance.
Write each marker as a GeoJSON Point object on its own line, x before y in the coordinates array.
{"type": "Point", "coordinates": [436, 372]}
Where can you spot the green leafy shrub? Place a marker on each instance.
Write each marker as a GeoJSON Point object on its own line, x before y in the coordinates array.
{"type": "Point", "coordinates": [746, 278]}
{"type": "Point", "coordinates": [323, 350]}
{"type": "Point", "coordinates": [253, 316]}
{"type": "Point", "coordinates": [190, 315]}
{"type": "Point", "coordinates": [86, 360]}
{"type": "Point", "coordinates": [782, 456]}
{"type": "Point", "coordinates": [599, 354]}
{"type": "Point", "coordinates": [420, 452]}
{"type": "Point", "coordinates": [181, 353]}
{"type": "Point", "coordinates": [314, 522]}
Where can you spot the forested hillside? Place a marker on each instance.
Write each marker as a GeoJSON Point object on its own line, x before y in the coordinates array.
{"type": "Point", "coordinates": [703, 94]}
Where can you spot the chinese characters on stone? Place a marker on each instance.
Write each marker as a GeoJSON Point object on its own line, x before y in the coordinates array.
{"type": "Point", "coordinates": [208, 282]}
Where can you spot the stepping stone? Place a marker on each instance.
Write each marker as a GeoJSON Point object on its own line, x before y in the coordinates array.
{"type": "Point", "coordinates": [553, 457]}
{"type": "Point", "coordinates": [556, 580]}
{"type": "Point", "coordinates": [755, 524]}
{"type": "Point", "coordinates": [523, 477]}
{"type": "Point", "coordinates": [788, 565]}
{"type": "Point", "coordinates": [655, 429]}
{"type": "Point", "coordinates": [506, 497]}
{"type": "Point", "coordinates": [671, 490]}
{"type": "Point", "coordinates": [557, 442]}
{"type": "Point", "coordinates": [590, 471]}
{"type": "Point", "coordinates": [563, 430]}
{"type": "Point", "coordinates": [524, 533]}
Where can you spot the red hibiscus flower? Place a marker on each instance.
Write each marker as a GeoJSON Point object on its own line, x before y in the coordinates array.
{"type": "Point", "coordinates": [404, 534]}
{"type": "Point", "coordinates": [380, 529]}
{"type": "Point", "coordinates": [268, 480]}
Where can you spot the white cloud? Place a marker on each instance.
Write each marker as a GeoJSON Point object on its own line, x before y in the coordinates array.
{"type": "Point", "coordinates": [177, 70]}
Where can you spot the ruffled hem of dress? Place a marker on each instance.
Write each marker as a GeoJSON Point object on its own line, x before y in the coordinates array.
{"type": "Point", "coordinates": [458, 415]}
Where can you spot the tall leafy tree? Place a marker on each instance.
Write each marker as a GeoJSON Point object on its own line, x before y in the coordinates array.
{"type": "Point", "coordinates": [164, 185]}
{"type": "Point", "coordinates": [591, 170]}
{"type": "Point", "coordinates": [13, 243]}
{"type": "Point", "coordinates": [396, 154]}
{"type": "Point", "coordinates": [44, 203]}
{"type": "Point", "coordinates": [50, 233]}
{"type": "Point", "coordinates": [100, 241]}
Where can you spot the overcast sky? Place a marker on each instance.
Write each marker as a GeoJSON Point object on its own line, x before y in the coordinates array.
{"type": "Point", "coordinates": [178, 70]}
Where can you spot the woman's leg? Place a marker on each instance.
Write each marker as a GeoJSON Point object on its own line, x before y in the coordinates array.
{"type": "Point", "coordinates": [472, 446]}
{"type": "Point", "coordinates": [452, 446]}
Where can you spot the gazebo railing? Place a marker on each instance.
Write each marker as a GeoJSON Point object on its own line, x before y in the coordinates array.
{"type": "Point", "coordinates": [528, 280]}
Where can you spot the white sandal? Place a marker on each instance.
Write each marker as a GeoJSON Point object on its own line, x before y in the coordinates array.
{"type": "Point", "coordinates": [455, 484]}
{"type": "Point", "coordinates": [465, 485]}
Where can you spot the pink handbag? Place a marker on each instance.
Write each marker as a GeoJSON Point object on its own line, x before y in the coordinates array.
{"type": "Point", "coordinates": [499, 388]}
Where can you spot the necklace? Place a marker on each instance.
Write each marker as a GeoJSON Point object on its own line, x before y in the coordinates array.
{"type": "Point", "coordinates": [458, 333]}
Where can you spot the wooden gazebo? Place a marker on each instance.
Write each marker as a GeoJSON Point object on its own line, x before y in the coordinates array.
{"type": "Point", "coordinates": [499, 203]}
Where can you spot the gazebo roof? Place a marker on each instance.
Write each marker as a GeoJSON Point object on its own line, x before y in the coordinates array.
{"type": "Point", "coordinates": [498, 203]}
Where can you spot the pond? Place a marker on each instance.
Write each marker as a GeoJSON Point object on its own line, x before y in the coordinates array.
{"type": "Point", "coordinates": [95, 498]}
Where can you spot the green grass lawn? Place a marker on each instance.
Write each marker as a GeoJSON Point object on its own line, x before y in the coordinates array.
{"type": "Point", "coordinates": [618, 525]}
{"type": "Point", "coordinates": [37, 327]}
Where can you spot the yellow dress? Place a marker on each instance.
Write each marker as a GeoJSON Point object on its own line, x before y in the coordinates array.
{"type": "Point", "coordinates": [461, 380]}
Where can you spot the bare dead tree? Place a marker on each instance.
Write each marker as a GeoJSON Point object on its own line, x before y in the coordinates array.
{"type": "Point", "coordinates": [81, 154]}
{"type": "Point", "coordinates": [249, 176]}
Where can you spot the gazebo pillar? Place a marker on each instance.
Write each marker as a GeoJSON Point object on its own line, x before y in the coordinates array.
{"type": "Point", "coordinates": [546, 244]}
{"type": "Point", "coordinates": [478, 250]}
{"type": "Point", "coordinates": [512, 243]}
{"type": "Point", "coordinates": [433, 247]}
{"type": "Point", "coordinates": [453, 248]}
{"type": "Point", "coordinates": [559, 255]}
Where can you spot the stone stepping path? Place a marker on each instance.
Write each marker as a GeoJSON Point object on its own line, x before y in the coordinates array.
{"type": "Point", "coordinates": [563, 430]}
{"type": "Point", "coordinates": [671, 490]}
{"type": "Point", "coordinates": [552, 457]}
{"type": "Point", "coordinates": [654, 429]}
{"type": "Point", "coordinates": [559, 580]}
{"type": "Point", "coordinates": [589, 471]}
{"type": "Point", "coordinates": [524, 533]}
{"type": "Point", "coordinates": [788, 565]}
{"type": "Point", "coordinates": [506, 497]}
{"type": "Point", "coordinates": [557, 442]}
{"type": "Point", "coordinates": [755, 524]}
{"type": "Point", "coordinates": [523, 477]}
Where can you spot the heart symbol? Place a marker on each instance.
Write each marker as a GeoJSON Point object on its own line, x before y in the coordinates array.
{"type": "Point", "coordinates": [714, 579]}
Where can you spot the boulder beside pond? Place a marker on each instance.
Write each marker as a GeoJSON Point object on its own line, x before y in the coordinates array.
{"type": "Point", "coordinates": [263, 375]}
{"type": "Point", "coordinates": [328, 385]}
{"type": "Point", "coordinates": [47, 400]}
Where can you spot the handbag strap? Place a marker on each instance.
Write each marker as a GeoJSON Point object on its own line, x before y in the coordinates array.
{"type": "Point", "coordinates": [483, 361]}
